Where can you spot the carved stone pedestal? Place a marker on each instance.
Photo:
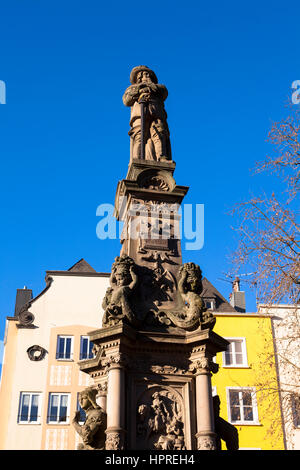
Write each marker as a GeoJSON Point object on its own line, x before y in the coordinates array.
{"type": "Point", "coordinates": [158, 386]}
{"type": "Point", "coordinates": [156, 346]}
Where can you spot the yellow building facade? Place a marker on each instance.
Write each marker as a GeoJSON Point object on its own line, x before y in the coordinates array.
{"type": "Point", "coordinates": [246, 382]}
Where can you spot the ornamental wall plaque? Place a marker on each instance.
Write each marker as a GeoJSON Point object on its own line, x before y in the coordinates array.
{"type": "Point", "coordinates": [25, 318]}
{"type": "Point", "coordinates": [36, 353]}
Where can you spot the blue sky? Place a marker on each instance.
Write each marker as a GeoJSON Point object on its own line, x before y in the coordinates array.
{"type": "Point", "coordinates": [228, 67]}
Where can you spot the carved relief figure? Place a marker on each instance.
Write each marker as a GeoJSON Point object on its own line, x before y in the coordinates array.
{"type": "Point", "coordinates": [160, 413]}
{"type": "Point", "coordinates": [190, 288]}
{"type": "Point", "coordinates": [174, 436]}
{"type": "Point", "coordinates": [193, 313]}
{"type": "Point", "coordinates": [117, 300]}
{"type": "Point", "coordinates": [159, 424]}
{"type": "Point", "coordinates": [92, 431]}
{"type": "Point", "coordinates": [145, 89]}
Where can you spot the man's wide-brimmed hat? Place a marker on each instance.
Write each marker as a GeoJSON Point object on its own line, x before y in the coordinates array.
{"type": "Point", "coordinates": [140, 68]}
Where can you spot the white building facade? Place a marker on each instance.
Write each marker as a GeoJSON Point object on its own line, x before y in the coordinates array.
{"type": "Point", "coordinates": [40, 374]}
{"type": "Point", "coordinates": [286, 335]}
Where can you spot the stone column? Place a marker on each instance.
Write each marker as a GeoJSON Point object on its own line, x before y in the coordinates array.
{"type": "Point", "coordinates": [206, 437]}
{"type": "Point", "coordinates": [115, 432]}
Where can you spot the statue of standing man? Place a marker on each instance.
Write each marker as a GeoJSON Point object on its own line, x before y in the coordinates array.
{"type": "Point", "coordinates": [148, 121]}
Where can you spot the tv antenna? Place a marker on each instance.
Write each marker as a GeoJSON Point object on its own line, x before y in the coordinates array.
{"type": "Point", "coordinates": [231, 278]}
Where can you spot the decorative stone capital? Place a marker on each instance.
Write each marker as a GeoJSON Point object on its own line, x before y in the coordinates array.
{"type": "Point", "coordinates": [117, 361]}
{"type": "Point", "coordinates": [114, 439]}
{"type": "Point", "coordinates": [203, 365]}
{"type": "Point", "coordinates": [102, 389]}
{"type": "Point", "coordinates": [206, 441]}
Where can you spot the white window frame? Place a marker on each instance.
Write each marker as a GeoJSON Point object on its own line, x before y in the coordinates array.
{"type": "Point", "coordinates": [242, 421]}
{"type": "Point", "coordinates": [244, 354]}
{"type": "Point", "coordinates": [211, 302]}
{"type": "Point", "coordinates": [82, 337]}
{"type": "Point", "coordinates": [71, 351]}
{"type": "Point", "coordinates": [58, 421]}
{"type": "Point", "coordinates": [28, 421]}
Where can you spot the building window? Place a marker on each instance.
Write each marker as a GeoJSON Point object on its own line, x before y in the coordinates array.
{"type": "Point", "coordinates": [210, 304]}
{"type": "Point", "coordinates": [58, 409]}
{"type": "Point", "coordinates": [64, 348]}
{"type": "Point", "coordinates": [29, 408]}
{"type": "Point", "coordinates": [236, 353]}
{"type": "Point", "coordinates": [86, 348]}
{"type": "Point", "coordinates": [82, 416]}
{"type": "Point", "coordinates": [242, 406]}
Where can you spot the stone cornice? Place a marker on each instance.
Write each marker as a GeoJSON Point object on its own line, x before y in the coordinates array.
{"type": "Point", "coordinates": [78, 274]}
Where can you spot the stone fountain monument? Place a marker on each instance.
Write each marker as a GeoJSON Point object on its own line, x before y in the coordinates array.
{"type": "Point", "coordinates": [154, 352]}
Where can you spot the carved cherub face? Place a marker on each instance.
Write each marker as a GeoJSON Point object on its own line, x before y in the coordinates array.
{"type": "Point", "coordinates": [122, 277]}
{"type": "Point", "coordinates": [193, 276]}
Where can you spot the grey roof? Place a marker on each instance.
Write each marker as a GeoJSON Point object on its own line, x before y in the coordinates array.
{"type": "Point", "coordinates": [82, 266]}
{"type": "Point", "coordinates": [210, 292]}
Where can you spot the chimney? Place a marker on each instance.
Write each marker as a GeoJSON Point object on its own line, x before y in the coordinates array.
{"type": "Point", "coordinates": [23, 296]}
{"type": "Point", "coordinates": [237, 297]}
